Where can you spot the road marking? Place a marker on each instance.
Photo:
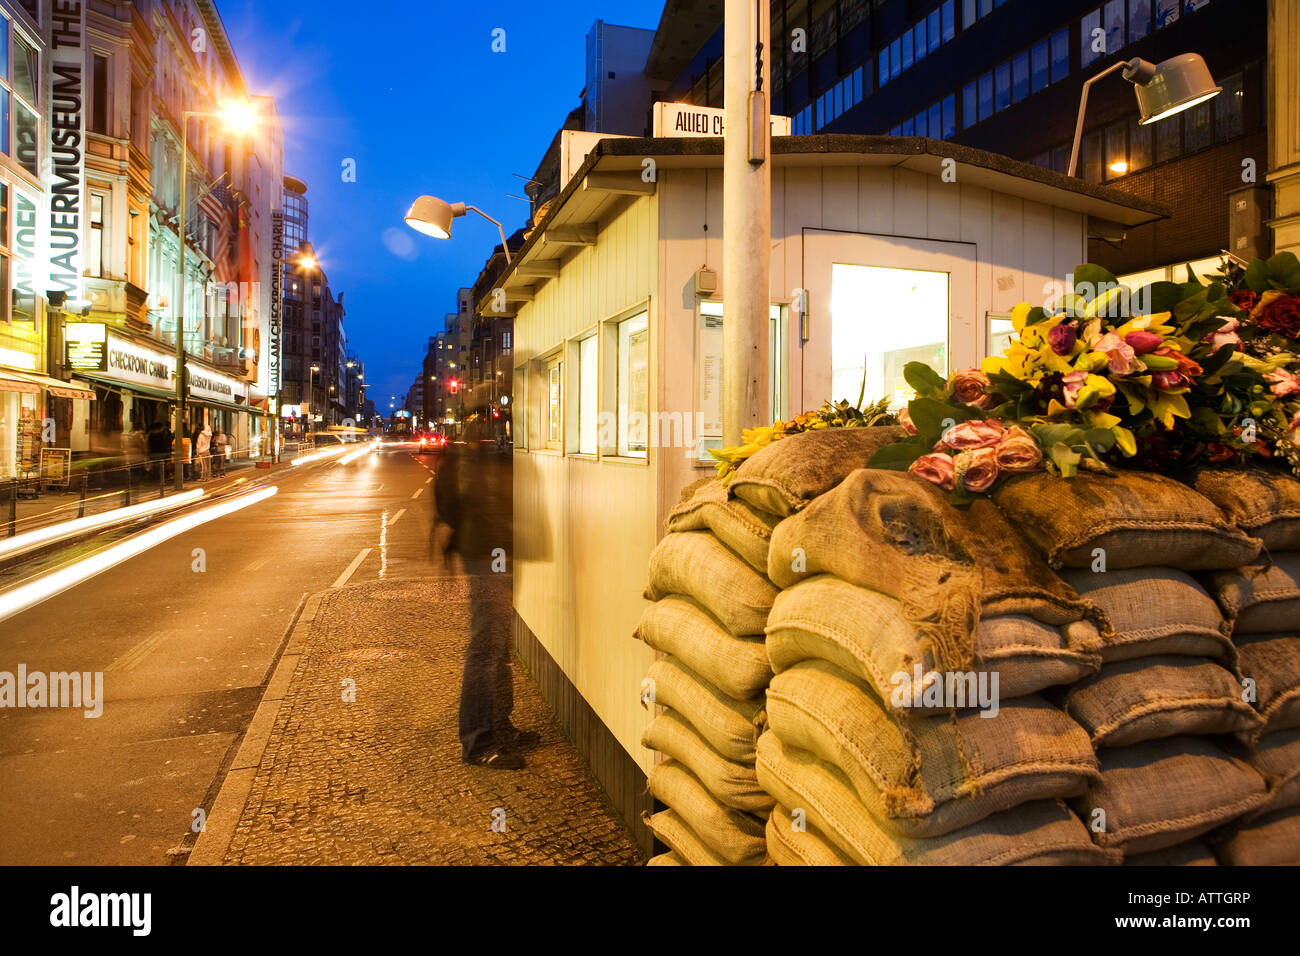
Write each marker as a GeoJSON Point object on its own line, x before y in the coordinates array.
{"type": "Point", "coordinates": [393, 520]}
{"type": "Point", "coordinates": [428, 481]}
{"type": "Point", "coordinates": [342, 579]}
{"type": "Point", "coordinates": [418, 492]}
{"type": "Point", "coordinates": [256, 565]}
{"type": "Point", "coordinates": [132, 658]}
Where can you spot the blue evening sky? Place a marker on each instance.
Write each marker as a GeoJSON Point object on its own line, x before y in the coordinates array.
{"type": "Point", "coordinates": [413, 92]}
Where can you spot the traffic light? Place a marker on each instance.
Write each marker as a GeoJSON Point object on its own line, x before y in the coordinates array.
{"type": "Point", "coordinates": [454, 385]}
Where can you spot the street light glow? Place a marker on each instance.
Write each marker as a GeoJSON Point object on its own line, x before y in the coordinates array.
{"type": "Point", "coordinates": [237, 116]}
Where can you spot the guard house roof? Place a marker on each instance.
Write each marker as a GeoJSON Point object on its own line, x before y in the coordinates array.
{"type": "Point", "coordinates": [612, 172]}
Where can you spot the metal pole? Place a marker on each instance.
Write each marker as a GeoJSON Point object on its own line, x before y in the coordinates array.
{"type": "Point", "coordinates": [746, 219]}
{"type": "Point", "coordinates": [1083, 105]}
{"type": "Point", "coordinates": [178, 453]}
{"type": "Point", "coordinates": [13, 508]}
{"type": "Point", "coordinates": [126, 492]}
{"type": "Point", "coordinates": [81, 505]}
{"type": "Point", "coordinates": [162, 478]}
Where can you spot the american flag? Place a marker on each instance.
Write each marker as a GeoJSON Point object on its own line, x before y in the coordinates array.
{"type": "Point", "coordinates": [219, 207]}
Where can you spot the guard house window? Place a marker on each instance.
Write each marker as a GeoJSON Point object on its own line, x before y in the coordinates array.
{"type": "Point", "coordinates": [99, 94]}
{"type": "Point", "coordinates": [588, 396]}
{"type": "Point", "coordinates": [95, 264]}
{"type": "Point", "coordinates": [554, 383]}
{"type": "Point", "coordinates": [633, 386]}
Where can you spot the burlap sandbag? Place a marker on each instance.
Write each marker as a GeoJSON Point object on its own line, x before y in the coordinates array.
{"type": "Point", "coordinates": [677, 625]}
{"type": "Point", "coordinates": [864, 633]}
{"type": "Point", "coordinates": [1277, 758]}
{"type": "Point", "coordinates": [929, 776]}
{"type": "Point", "coordinates": [736, 523]}
{"type": "Point", "coordinates": [672, 830]}
{"type": "Point", "coordinates": [1154, 611]}
{"type": "Point", "coordinates": [1272, 662]}
{"type": "Point", "coordinates": [801, 845]}
{"type": "Point", "coordinates": [734, 836]}
{"type": "Point", "coordinates": [1137, 519]}
{"type": "Point", "coordinates": [787, 474]}
{"type": "Point", "coordinates": [729, 725]}
{"type": "Point", "coordinates": [1042, 832]}
{"type": "Point", "coordinates": [1262, 598]}
{"type": "Point", "coordinates": [893, 533]}
{"type": "Point", "coordinates": [1162, 792]}
{"type": "Point", "coordinates": [1272, 840]}
{"type": "Point", "coordinates": [697, 564]}
{"type": "Point", "coordinates": [1191, 853]}
{"type": "Point", "coordinates": [666, 859]}
{"type": "Point", "coordinates": [1263, 503]}
{"type": "Point", "coordinates": [732, 783]}
{"type": "Point", "coordinates": [1153, 697]}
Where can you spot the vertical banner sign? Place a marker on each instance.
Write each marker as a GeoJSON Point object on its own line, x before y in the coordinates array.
{"type": "Point", "coordinates": [67, 114]}
{"type": "Point", "coordinates": [277, 302]}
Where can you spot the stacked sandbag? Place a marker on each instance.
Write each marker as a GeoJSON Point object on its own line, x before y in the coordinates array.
{"type": "Point", "coordinates": [1262, 602]}
{"type": "Point", "coordinates": [711, 600]}
{"type": "Point", "coordinates": [1165, 708]}
{"type": "Point", "coordinates": [875, 755]}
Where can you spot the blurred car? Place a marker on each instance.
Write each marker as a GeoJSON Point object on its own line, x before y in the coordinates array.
{"type": "Point", "coordinates": [432, 442]}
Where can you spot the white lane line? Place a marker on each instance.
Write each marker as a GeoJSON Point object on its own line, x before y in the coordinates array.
{"type": "Point", "coordinates": [418, 492]}
{"type": "Point", "coordinates": [342, 579]}
{"type": "Point", "coordinates": [256, 565]}
{"type": "Point", "coordinates": [393, 520]}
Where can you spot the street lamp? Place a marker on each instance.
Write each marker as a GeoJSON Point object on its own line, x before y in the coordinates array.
{"type": "Point", "coordinates": [433, 217]}
{"type": "Point", "coordinates": [1176, 84]}
{"type": "Point", "coordinates": [311, 387]}
{"type": "Point", "coordinates": [237, 118]}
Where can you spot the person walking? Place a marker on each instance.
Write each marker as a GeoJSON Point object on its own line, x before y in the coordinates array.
{"type": "Point", "coordinates": [473, 497]}
{"type": "Point", "coordinates": [202, 448]}
{"type": "Point", "coordinates": [219, 442]}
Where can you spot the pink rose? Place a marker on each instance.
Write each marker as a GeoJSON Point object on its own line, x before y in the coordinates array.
{"type": "Point", "coordinates": [1123, 359]}
{"type": "Point", "coordinates": [1284, 384]}
{"type": "Point", "coordinates": [1018, 451]}
{"type": "Point", "coordinates": [971, 387]}
{"type": "Point", "coordinates": [935, 468]}
{"type": "Point", "coordinates": [975, 434]}
{"type": "Point", "coordinates": [1226, 335]}
{"type": "Point", "coordinates": [1143, 341]}
{"type": "Point", "coordinates": [1070, 385]}
{"type": "Point", "coordinates": [905, 420]}
{"type": "Point", "coordinates": [981, 470]}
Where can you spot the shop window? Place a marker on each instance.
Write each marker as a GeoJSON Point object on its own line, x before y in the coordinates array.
{"type": "Point", "coordinates": [633, 386]}
{"type": "Point", "coordinates": [1060, 55]}
{"type": "Point", "coordinates": [588, 396]}
{"type": "Point", "coordinates": [1091, 39]}
{"type": "Point", "coordinates": [1020, 77]}
{"type": "Point", "coordinates": [1228, 109]}
{"type": "Point", "coordinates": [1038, 63]}
{"type": "Point", "coordinates": [1139, 19]}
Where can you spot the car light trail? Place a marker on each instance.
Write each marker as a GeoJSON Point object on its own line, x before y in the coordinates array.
{"type": "Point", "coordinates": [42, 589]}
{"type": "Point", "coordinates": [64, 529]}
{"type": "Point", "coordinates": [318, 456]}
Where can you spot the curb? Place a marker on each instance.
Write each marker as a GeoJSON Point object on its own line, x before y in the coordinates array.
{"type": "Point", "coordinates": [228, 806]}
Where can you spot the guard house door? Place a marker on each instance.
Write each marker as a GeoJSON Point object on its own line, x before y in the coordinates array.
{"type": "Point", "coordinates": [878, 302]}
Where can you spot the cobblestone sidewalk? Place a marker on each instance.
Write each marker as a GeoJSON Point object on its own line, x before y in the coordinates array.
{"type": "Point", "coordinates": [379, 780]}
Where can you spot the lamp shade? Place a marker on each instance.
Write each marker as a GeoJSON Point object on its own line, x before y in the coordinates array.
{"type": "Point", "coordinates": [431, 216]}
{"type": "Point", "coordinates": [1174, 85]}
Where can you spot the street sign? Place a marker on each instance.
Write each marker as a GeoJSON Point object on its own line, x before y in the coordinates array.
{"type": "Point", "coordinates": [684, 120]}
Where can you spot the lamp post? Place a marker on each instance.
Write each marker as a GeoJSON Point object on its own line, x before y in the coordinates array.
{"type": "Point", "coordinates": [237, 118]}
{"type": "Point", "coordinates": [311, 388]}
{"type": "Point", "coordinates": [1174, 85]}
{"type": "Point", "coordinates": [432, 216]}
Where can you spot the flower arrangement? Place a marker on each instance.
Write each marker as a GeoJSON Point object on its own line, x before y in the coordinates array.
{"type": "Point", "coordinates": [1165, 377]}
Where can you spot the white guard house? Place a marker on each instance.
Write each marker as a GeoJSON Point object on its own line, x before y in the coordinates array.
{"type": "Point", "coordinates": [896, 249]}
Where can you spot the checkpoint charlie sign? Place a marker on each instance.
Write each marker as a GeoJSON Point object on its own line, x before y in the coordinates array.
{"type": "Point", "coordinates": [682, 119]}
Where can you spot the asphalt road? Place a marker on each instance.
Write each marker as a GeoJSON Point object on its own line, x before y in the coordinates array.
{"type": "Point", "coordinates": [185, 647]}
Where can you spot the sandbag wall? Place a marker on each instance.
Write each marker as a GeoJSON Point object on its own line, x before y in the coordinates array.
{"type": "Point", "coordinates": [711, 600]}
{"type": "Point", "coordinates": [1124, 652]}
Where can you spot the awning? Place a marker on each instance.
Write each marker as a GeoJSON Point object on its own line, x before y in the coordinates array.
{"type": "Point", "coordinates": [214, 403]}
{"type": "Point", "coordinates": [35, 382]}
{"type": "Point", "coordinates": [14, 385]}
{"type": "Point", "coordinates": [164, 394]}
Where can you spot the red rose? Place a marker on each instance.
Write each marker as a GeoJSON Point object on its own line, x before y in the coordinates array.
{"type": "Point", "coordinates": [1279, 313]}
{"type": "Point", "coordinates": [1244, 299]}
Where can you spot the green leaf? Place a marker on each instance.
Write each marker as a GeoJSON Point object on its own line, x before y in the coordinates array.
{"type": "Point", "coordinates": [1284, 268]}
{"type": "Point", "coordinates": [1257, 276]}
{"type": "Point", "coordinates": [1004, 383]}
{"type": "Point", "coordinates": [1102, 439]}
{"type": "Point", "coordinates": [1036, 315]}
{"type": "Point", "coordinates": [931, 415]}
{"type": "Point", "coordinates": [1156, 297]}
{"type": "Point", "coordinates": [927, 382]}
{"type": "Point", "coordinates": [898, 456]}
{"type": "Point", "coordinates": [1094, 278]}
{"type": "Point", "coordinates": [1217, 361]}
{"type": "Point", "coordinates": [1200, 328]}
{"type": "Point", "coordinates": [1191, 276]}
{"type": "Point", "coordinates": [1190, 305]}
{"type": "Point", "coordinates": [961, 498]}
{"type": "Point", "coordinates": [1065, 458]}
{"type": "Point", "coordinates": [1207, 420]}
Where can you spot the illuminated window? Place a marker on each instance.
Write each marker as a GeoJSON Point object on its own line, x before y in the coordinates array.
{"type": "Point", "coordinates": [633, 386]}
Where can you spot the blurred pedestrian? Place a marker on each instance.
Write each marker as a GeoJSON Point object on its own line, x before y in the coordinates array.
{"type": "Point", "coordinates": [202, 449]}
{"type": "Point", "coordinates": [219, 443]}
{"type": "Point", "coordinates": [474, 500]}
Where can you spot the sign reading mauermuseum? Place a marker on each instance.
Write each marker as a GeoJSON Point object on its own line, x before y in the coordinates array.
{"type": "Point", "coordinates": [67, 101]}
